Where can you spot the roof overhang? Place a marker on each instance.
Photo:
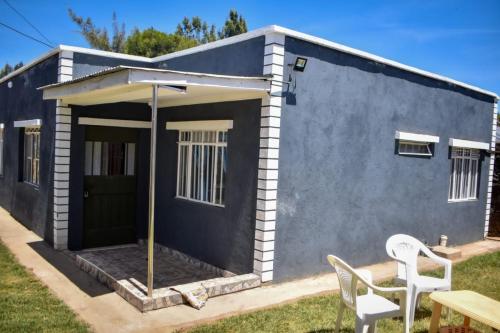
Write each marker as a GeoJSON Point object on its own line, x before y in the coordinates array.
{"type": "Point", "coordinates": [133, 84]}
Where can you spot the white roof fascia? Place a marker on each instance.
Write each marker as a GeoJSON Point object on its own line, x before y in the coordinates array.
{"type": "Point", "coordinates": [218, 43]}
{"type": "Point", "coordinates": [407, 136]}
{"type": "Point", "coordinates": [250, 35]}
{"type": "Point", "coordinates": [30, 64]}
{"type": "Point", "coordinates": [469, 144]}
{"type": "Point", "coordinates": [101, 53]}
{"type": "Point", "coordinates": [369, 56]}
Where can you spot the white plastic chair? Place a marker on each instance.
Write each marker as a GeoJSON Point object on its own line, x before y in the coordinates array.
{"type": "Point", "coordinates": [405, 250]}
{"type": "Point", "coordinates": [369, 307]}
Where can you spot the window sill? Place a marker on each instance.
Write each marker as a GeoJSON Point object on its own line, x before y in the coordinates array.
{"type": "Point", "coordinates": [462, 200]}
{"type": "Point", "coordinates": [199, 202]}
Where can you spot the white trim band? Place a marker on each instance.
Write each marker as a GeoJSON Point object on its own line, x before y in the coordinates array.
{"type": "Point", "coordinates": [200, 125]}
{"type": "Point", "coordinates": [113, 122]}
{"type": "Point", "coordinates": [407, 136]}
{"type": "Point", "coordinates": [469, 144]}
{"type": "Point", "coordinates": [28, 123]}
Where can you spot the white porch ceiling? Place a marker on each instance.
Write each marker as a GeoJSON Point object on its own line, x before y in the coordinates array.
{"type": "Point", "coordinates": [133, 84]}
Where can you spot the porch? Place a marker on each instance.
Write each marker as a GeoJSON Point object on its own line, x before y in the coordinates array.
{"type": "Point", "coordinates": [124, 270]}
{"type": "Point", "coordinates": [108, 123]}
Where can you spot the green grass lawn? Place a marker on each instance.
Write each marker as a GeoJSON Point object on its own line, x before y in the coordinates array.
{"type": "Point", "coordinates": [318, 314]}
{"type": "Point", "coordinates": [26, 305]}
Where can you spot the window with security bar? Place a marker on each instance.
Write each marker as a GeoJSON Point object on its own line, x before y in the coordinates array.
{"type": "Point", "coordinates": [464, 174]}
{"type": "Point", "coordinates": [201, 166]}
{"type": "Point", "coordinates": [31, 170]}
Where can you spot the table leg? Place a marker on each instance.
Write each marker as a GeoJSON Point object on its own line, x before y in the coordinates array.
{"type": "Point", "coordinates": [466, 321]}
{"type": "Point", "coordinates": [436, 315]}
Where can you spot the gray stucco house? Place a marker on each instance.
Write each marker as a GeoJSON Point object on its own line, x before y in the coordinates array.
{"type": "Point", "coordinates": [274, 149]}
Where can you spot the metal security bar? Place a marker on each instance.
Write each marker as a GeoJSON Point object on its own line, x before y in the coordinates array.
{"type": "Point", "coordinates": [464, 174]}
{"type": "Point", "coordinates": [201, 166]}
{"type": "Point", "coordinates": [31, 172]}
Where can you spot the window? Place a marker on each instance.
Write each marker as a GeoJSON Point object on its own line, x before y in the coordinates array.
{"type": "Point", "coordinates": [109, 159]}
{"type": "Point", "coordinates": [464, 174]}
{"type": "Point", "coordinates": [201, 166]}
{"type": "Point", "coordinates": [414, 148]}
{"type": "Point", "coordinates": [1, 148]}
{"type": "Point", "coordinates": [31, 171]}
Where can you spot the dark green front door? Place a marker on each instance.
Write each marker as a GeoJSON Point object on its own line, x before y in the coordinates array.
{"type": "Point", "coordinates": [110, 186]}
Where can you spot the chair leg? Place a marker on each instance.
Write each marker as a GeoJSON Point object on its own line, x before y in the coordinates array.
{"type": "Point", "coordinates": [361, 326]}
{"type": "Point", "coordinates": [373, 327]}
{"type": "Point", "coordinates": [339, 316]}
{"type": "Point", "coordinates": [417, 303]}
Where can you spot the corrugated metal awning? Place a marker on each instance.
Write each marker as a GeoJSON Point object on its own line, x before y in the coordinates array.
{"type": "Point", "coordinates": [133, 84]}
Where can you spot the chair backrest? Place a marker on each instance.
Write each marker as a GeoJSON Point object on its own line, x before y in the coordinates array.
{"type": "Point", "coordinates": [405, 248]}
{"type": "Point", "coordinates": [348, 280]}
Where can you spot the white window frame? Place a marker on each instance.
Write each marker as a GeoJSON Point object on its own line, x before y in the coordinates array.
{"type": "Point", "coordinates": [426, 144]}
{"type": "Point", "coordinates": [470, 181]}
{"type": "Point", "coordinates": [2, 140]}
{"type": "Point", "coordinates": [190, 143]}
{"type": "Point", "coordinates": [32, 176]}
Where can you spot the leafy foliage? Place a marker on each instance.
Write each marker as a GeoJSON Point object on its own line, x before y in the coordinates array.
{"type": "Point", "coordinates": [151, 42]}
{"type": "Point", "coordinates": [98, 37]}
{"type": "Point", "coordinates": [9, 69]}
{"type": "Point", "coordinates": [234, 25]}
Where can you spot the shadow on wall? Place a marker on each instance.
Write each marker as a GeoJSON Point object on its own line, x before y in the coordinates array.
{"type": "Point", "coordinates": [67, 266]}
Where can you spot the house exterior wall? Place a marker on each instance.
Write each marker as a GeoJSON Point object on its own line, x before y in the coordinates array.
{"type": "Point", "coordinates": [245, 58]}
{"type": "Point", "coordinates": [342, 188]}
{"type": "Point", "coordinates": [23, 102]}
{"type": "Point", "coordinates": [85, 64]}
{"type": "Point", "coordinates": [222, 236]}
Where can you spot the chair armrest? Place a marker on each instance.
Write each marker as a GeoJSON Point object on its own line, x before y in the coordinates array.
{"type": "Point", "coordinates": [440, 260]}
{"type": "Point", "coordinates": [368, 276]}
{"type": "Point", "coordinates": [369, 284]}
{"type": "Point", "coordinates": [397, 259]}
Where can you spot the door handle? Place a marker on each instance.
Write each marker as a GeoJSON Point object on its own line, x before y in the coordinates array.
{"type": "Point", "coordinates": [85, 194]}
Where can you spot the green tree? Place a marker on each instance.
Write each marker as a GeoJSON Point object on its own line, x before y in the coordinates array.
{"type": "Point", "coordinates": [7, 69]}
{"type": "Point", "coordinates": [152, 43]}
{"type": "Point", "coordinates": [196, 29]}
{"type": "Point", "coordinates": [98, 37]}
{"type": "Point", "coordinates": [234, 25]}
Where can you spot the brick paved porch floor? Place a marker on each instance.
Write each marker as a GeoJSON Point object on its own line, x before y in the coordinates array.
{"type": "Point", "coordinates": [124, 269]}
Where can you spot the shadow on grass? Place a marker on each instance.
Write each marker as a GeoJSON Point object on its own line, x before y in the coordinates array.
{"type": "Point", "coordinates": [67, 266]}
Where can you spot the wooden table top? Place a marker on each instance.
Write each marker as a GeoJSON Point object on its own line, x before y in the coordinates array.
{"type": "Point", "coordinates": [471, 304]}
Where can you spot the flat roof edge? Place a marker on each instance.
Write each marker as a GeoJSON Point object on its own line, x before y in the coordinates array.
{"type": "Point", "coordinates": [246, 36]}
{"type": "Point", "coordinates": [75, 49]}
{"type": "Point", "coordinates": [370, 56]}
{"type": "Point", "coordinates": [30, 64]}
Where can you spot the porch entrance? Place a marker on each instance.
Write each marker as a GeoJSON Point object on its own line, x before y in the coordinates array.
{"type": "Point", "coordinates": [110, 184]}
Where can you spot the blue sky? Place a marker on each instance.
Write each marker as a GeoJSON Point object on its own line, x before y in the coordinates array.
{"type": "Point", "coordinates": [459, 39]}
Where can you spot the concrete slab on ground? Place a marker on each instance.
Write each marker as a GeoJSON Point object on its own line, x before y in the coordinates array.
{"type": "Point", "coordinates": [106, 311]}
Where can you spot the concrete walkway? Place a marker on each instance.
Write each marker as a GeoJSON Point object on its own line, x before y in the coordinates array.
{"type": "Point", "coordinates": [105, 311]}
